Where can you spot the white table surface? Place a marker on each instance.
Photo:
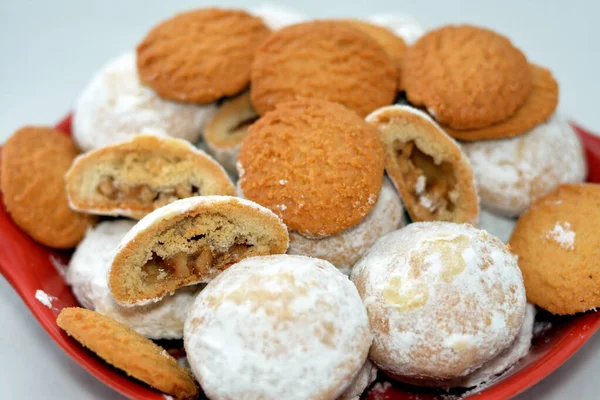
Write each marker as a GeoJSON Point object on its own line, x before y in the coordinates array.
{"type": "Point", "coordinates": [50, 48]}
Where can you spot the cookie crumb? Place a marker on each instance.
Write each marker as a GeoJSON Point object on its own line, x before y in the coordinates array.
{"type": "Point", "coordinates": [44, 298]}
{"type": "Point", "coordinates": [563, 235]}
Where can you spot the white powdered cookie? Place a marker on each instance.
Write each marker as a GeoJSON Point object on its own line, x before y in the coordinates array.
{"type": "Point", "coordinates": [277, 327]}
{"type": "Point", "coordinates": [115, 107]}
{"type": "Point", "coordinates": [88, 276]}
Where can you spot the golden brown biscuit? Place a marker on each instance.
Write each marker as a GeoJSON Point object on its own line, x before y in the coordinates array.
{"type": "Point", "coordinates": [324, 60]}
{"type": "Point", "coordinates": [136, 177]}
{"type": "Point", "coordinates": [429, 169]}
{"type": "Point", "coordinates": [558, 246]}
{"type": "Point", "coordinates": [34, 162]}
{"type": "Point", "coordinates": [314, 163]}
{"type": "Point", "coordinates": [538, 107]}
{"type": "Point", "coordinates": [128, 351]}
{"type": "Point", "coordinates": [225, 131]}
{"type": "Point", "coordinates": [393, 45]}
{"type": "Point", "coordinates": [467, 77]}
{"type": "Point", "coordinates": [201, 55]}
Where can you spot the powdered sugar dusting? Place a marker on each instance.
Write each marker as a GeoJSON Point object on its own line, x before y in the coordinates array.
{"type": "Point", "coordinates": [420, 184]}
{"type": "Point", "coordinates": [563, 235]}
{"type": "Point", "coordinates": [44, 298]}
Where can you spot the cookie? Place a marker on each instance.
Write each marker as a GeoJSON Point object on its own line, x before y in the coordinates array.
{"type": "Point", "coordinates": [115, 106]}
{"type": "Point", "coordinates": [467, 77]}
{"type": "Point", "coordinates": [363, 379]}
{"type": "Point", "coordinates": [88, 277]}
{"type": "Point", "coordinates": [427, 167]}
{"type": "Point", "coordinates": [393, 45]}
{"type": "Point", "coordinates": [314, 163]}
{"type": "Point", "coordinates": [559, 249]}
{"type": "Point", "coordinates": [346, 66]}
{"type": "Point", "coordinates": [439, 288]}
{"type": "Point", "coordinates": [128, 351]}
{"type": "Point", "coordinates": [538, 107]}
{"type": "Point", "coordinates": [34, 162]}
{"type": "Point", "coordinates": [134, 178]}
{"type": "Point", "coordinates": [228, 127]}
{"type": "Point", "coordinates": [512, 173]}
{"type": "Point", "coordinates": [277, 327]}
{"type": "Point", "coordinates": [202, 55]}
{"type": "Point", "coordinates": [344, 249]}
{"type": "Point", "coordinates": [188, 242]}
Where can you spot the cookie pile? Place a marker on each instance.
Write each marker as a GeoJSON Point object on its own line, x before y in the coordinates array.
{"type": "Point", "coordinates": [322, 133]}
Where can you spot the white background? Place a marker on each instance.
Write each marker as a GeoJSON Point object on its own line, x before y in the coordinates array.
{"type": "Point", "coordinates": [50, 48]}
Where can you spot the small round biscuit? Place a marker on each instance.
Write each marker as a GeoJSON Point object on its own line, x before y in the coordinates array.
{"type": "Point", "coordinates": [558, 246]}
{"type": "Point", "coordinates": [277, 327]}
{"type": "Point", "coordinates": [115, 107]}
{"type": "Point", "coordinates": [191, 241]}
{"type": "Point", "coordinates": [362, 380]}
{"type": "Point", "coordinates": [227, 128]}
{"type": "Point", "coordinates": [467, 77]}
{"type": "Point", "coordinates": [128, 351]}
{"type": "Point", "coordinates": [34, 162]}
{"type": "Point", "coordinates": [346, 66]}
{"type": "Point", "coordinates": [443, 289]}
{"type": "Point", "coordinates": [136, 177]}
{"type": "Point", "coordinates": [202, 55]}
{"type": "Point", "coordinates": [316, 164]}
{"type": "Point", "coordinates": [538, 107]}
{"type": "Point", "coordinates": [345, 248]}
{"type": "Point", "coordinates": [88, 277]}
{"type": "Point", "coordinates": [427, 167]}
{"type": "Point", "coordinates": [512, 173]}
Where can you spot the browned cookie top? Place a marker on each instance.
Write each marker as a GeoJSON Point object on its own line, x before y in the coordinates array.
{"type": "Point", "coordinates": [200, 56]}
{"type": "Point", "coordinates": [467, 77]}
{"type": "Point", "coordinates": [325, 60]}
{"type": "Point", "coordinates": [314, 163]}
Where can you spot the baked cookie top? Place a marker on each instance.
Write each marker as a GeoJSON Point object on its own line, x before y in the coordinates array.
{"type": "Point", "coordinates": [325, 60]}
{"type": "Point", "coordinates": [34, 162]}
{"type": "Point", "coordinates": [201, 55]}
{"type": "Point", "coordinates": [314, 163]}
{"type": "Point", "coordinates": [467, 77]}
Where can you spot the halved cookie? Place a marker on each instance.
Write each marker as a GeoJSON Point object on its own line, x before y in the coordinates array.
{"type": "Point", "coordinates": [429, 169]}
{"type": "Point", "coordinates": [191, 241]}
{"type": "Point", "coordinates": [133, 178]}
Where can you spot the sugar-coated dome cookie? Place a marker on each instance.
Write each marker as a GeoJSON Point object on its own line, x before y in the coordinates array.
{"type": "Point", "coordinates": [277, 327]}
{"type": "Point", "coordinates": [345, 249]}
{"type": "Point", "coordinates": [512, 173]}
{"type": "Point", "coordinates": [88, 276]}
{"type": "Point", "coordinates": [115, 106]}
{"type": "Point", "coordinates": [443, 289]}
{"type": "Point", "coordinates": [363, 379]}
{"type": "Point", "coordinates": [497, 225]}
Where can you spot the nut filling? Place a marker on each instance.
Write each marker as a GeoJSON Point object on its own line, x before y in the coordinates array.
{"type": "Point", "coordinates": [431, 184]}
{"type": "Point", "coordinates": [143, 193]}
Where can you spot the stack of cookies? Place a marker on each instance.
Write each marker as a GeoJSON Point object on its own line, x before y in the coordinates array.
{"type": "Point", "coordinates": [323, 134]}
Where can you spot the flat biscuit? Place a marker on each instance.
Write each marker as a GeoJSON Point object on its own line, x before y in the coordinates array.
{"type": "Point", "coordinates": [128, 351]}
{"type": "Point", "coordinates": [559, 249]}
{"type": "Point", "coordinates": [316, 164]}
{"type": "Point", "coordinates": [325, 60]}
{"type": "Point", "coordinates": [467, 77]}
{"type": "Point", "coordinates": [34, 162]}
{"type": "Point", "coordinates": [538, 107]}
{"type": "Point", "coordinates": [202, 55]}
{"type": "Point", "coordinates": [134, 178]}
{"type": "Point", "coordinates": [188, 242]}
{"type": "Point", "coordinates": [429, 169]}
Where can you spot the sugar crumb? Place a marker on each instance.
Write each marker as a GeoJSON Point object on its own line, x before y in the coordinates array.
{"type": "Point", "coordinates": [563, 235]}
{"type": "Point", "coordinates": [44, 298]}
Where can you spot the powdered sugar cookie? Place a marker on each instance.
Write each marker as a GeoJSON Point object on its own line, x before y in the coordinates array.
{"type": "Point", "coordinates": [128, 351]}
{"type": "Point", "coordinates": [362, 380]}
{"type": "Point", "coordinates": [429, 169]}
{"type": "Point", "coordinates": [88, 277]}
{"type": "Point", "coordinates": [497, 225]}
{"type": "Point", "coordinates": [439, 288]}
{"type": "Point", "coordinates": [403, 25]}
{"type": "Point", "coordinates": [134, 178]}
{"type": "Point", "coordinates": [115, 107]}
{"type": "Point", "coordinates": [228, 127]}
{"type": "Point", "coordinates": [344, 249]}
{"type": "Point", "coordinates": [277, 17]}
{"type": "Point", "coordinates": [191, 241]}
{"type": "Point", "coordinates": [277, 327]}
{"type": "Point", "coordinates": [513, 173]}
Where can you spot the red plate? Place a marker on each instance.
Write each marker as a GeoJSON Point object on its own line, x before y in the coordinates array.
{"type": "Point", "coordinates": [29, 266]}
